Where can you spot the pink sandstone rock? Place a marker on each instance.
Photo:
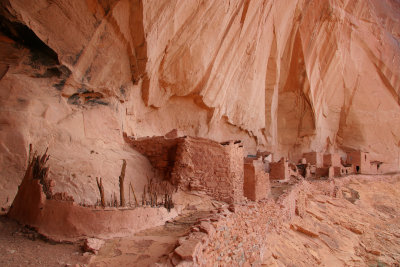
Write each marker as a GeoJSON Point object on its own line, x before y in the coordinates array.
{"type": "Point", "coordinates": [284, 76]}
{"type": "Point", "coordinates": [92, 245]}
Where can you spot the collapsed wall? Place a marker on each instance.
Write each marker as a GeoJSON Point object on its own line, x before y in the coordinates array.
{"type": "Point", "coordinates": [239, 235]}
{"type": "Point", "coordinates": [236, 234]}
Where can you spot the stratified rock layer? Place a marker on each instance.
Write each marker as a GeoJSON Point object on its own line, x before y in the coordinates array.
{"type": "Point", "coordinates": [286, 76]}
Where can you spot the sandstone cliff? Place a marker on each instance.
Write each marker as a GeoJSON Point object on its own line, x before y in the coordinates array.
{"type": "Point", "coordinates": [286, 76]}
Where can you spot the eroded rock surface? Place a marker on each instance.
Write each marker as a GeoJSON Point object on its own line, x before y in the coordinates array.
{"type": "Point", "coordinates": [288, 76]}
{"type": "Point", "coordinates": [321, 228]}
{"type": "Point", "coordinates": [337, 232]}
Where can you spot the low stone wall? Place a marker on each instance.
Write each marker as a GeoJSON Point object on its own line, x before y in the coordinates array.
{"type": "Point", "coordinates": [62, 220]}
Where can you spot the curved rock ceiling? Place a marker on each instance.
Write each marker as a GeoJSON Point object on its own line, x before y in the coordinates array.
{"type": "Point", "coordinates": [286, 76]}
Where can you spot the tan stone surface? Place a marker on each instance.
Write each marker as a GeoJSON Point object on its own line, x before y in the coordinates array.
{"type": "Point", "coordinates": [289, 76]}
{"type": "Point", "coordinates": [362, 233]}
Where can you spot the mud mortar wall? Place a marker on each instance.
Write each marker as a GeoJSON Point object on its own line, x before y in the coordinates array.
{"type": "Point", "coordinates": [236, 168]}
{"type": "Point", "coordinates": [279, 170]}
{"type": "Point", "coordinates": [332, 160]}
{"type": "Point", "coordinates": [256, 181]}
{"type": "Point", "coordinates": [205, 165]}
{"type": "Point", "coordinates": [66, 221]}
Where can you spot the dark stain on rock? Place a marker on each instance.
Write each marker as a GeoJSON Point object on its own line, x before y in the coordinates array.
{"type": "Point", "coordinates": [22, 101]}
{"type": "Point", "coordinates": [87, 74]}
{"type": "Point", "coordinates": [354, 195]}
{"type": "Point", "coordinates": [122, 90]}
{"type": "Point", "coordinates": [63, 73]}
{"type": "Point", "coordinates": [86, 97]}
{"type": "Point", "coordinates": [74, 99]}
{"type": "Point", "coordinates": [76, 59]}
{"type": "Point", "coordinates": [95, 101]}
{"type": "Point", "coordinates": [59, 86]}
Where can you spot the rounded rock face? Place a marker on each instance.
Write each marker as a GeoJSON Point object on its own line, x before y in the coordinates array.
{"type": "Point", "coordinates": [285, 76]}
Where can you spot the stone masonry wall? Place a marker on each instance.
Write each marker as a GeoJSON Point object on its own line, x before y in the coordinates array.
{"type": "Point", "coordinates": [196, 164]}
{"type": "Point", "coordinates": [314, 158]}
{"type": "Point", "coordinates": [279, 170]}
{"type": "Point", "coordinates": [205, 165]}
{"type": "Point", "coordinates": [256, 182]}
{"type": "Point", "coordinates": [235, 155]}
{"type": "Point", "coordinates": [332, 160]}
{"type": "Point", "coordinates": [360, 159]}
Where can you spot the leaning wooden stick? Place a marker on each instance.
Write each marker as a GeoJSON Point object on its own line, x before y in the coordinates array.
{"type": "Point", "coordinates": [121, 184]}
{"type": "Point", "coordinates": [129, 195]}
{"type": "Point", "coordinates": [144, 196]}
{"type": "Point", "coordinates": [134, 195]}
{"type": "Point", "coordinates": [115, 200]}
{"type": "Point", "coordinates": [30, 154]}
{"type": "Point", "coordinates": [101, 190]}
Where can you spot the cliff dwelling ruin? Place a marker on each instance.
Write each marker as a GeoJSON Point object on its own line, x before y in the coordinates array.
{"type": "Point", "coordinates": [199, 133]}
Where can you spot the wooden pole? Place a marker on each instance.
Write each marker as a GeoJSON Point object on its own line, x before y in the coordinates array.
{"type": "Point", "coordinates": [101, 190]}
{"type": "Point", "coordinates": [134, 195]}
{"type": "Point", "coordinates": [30, 154]}
{"type": "Point", "coordinates": [144, 196]}
{"type": "Point", "coordinates": [121, 184]}
{"type": "Point", "coordinates": [129, 195]}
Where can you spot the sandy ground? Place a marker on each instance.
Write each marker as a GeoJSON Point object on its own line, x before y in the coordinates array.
{"type": "Point", "coordinates": [20, 246]}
